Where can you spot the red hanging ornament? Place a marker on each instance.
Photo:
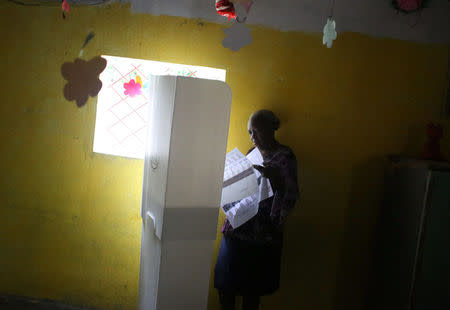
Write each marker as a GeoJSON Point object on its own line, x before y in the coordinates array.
{"type": "Point", "coordinates": [64, 8]}
{"type": "Point", "coordinates": [226, 8]}
{"type": "Point", "coordinates": [408, 6]}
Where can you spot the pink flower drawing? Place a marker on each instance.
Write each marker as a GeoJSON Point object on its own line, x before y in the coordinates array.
{"type": "Point", "coordinates": [132, 88]}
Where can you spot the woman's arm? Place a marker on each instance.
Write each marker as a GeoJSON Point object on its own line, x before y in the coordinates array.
{"type": "Point", "coordinates": [286, 194]}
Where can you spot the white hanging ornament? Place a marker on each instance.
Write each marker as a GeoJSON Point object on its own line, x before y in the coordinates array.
{"type": "Point", "coordinates": [329, 32]}
{"type": "Point", "coordinates": [237, 36]}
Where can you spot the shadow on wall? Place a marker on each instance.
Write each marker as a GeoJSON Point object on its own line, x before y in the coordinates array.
{"type": "Point", "coordinates": [354, 271]}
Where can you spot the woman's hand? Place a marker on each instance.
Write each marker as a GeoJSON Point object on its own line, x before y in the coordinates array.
{"type": "Point", "coordinates": [266, 171]}
{"type": "Point", "coordinates": [272, 173]}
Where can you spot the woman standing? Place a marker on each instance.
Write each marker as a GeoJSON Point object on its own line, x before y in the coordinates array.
{"type": "Point", "coordinates": [249, 258]}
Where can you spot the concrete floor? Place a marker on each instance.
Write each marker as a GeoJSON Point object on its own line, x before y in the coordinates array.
{"type": "Point", "coordinates": [24, 303]}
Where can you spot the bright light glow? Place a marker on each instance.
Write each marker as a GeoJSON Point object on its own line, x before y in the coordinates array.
{"type": "Point", "coordinates": [121, 121]}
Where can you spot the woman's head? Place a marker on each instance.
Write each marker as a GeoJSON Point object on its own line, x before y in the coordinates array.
{"type": "Point", "coordinates": [262, 125]}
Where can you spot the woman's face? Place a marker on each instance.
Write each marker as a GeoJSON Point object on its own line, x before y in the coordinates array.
{"type": "Point", "coordinates": [260, 134]}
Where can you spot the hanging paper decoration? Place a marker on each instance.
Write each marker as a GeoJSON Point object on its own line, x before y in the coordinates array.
{"type": "Point", "coordinates": [408, 6]}
{"type": "Point", "coordinates": [132, 88]}
{"type": "Point", "coordinates": [329, 32]}
{"type": "Point", "coordinates": [65, 8]}
{"type": "Point", "coordinates": [226, 8]}
{"type": "Point", "coordinates": [247, 5]}
{"type": "Point", "coordinates": [237, 36]}
{"type": "Point", "coordinates": [241, 10]}
{"type": "Point", "coordinates": [82, 79]}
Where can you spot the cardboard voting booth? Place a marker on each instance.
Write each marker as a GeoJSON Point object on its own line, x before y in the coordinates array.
{"type": "Point", "coordinates": [182, 188]}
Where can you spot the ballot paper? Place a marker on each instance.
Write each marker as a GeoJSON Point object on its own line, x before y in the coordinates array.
{"type": "Point", "coordinates": [239, 179]}
{"type": "Point", "coordinates": [264, 188]}
{"type": "Point", "coordinates": [241, 211]}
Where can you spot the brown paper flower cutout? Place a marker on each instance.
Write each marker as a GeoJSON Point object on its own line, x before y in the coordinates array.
{"type": "Point", "coordinates": [82, 79]}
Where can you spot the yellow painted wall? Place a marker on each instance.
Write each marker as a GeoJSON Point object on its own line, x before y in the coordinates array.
{"type": "Point", "coordinates": [69, 218]}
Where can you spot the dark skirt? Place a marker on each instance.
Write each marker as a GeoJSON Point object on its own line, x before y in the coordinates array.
{"type": "Point", "coordinates": [246, 268]}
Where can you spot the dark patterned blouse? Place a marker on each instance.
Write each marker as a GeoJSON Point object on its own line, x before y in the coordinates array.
{"type": "Point", "coordinates": [267, 225]}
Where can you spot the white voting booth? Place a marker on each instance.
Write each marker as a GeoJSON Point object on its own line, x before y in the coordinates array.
{"type": "Point", "coordinates": [182, 186]}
